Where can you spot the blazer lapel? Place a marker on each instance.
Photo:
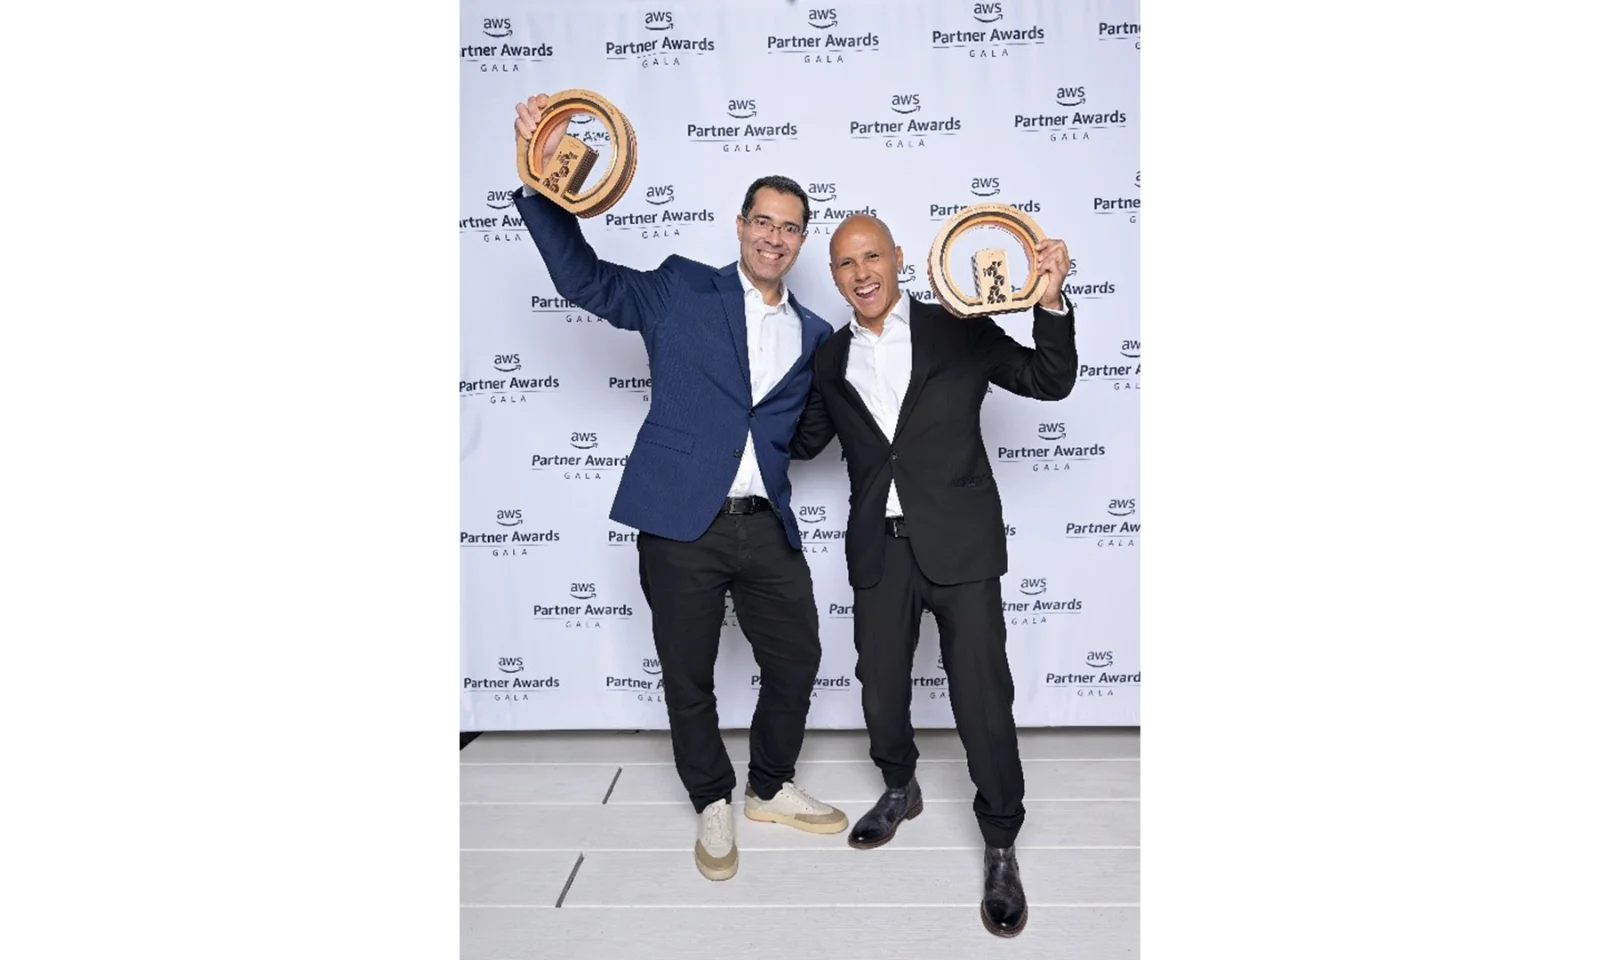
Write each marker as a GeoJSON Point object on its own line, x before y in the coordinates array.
{"type": "Point", "coordinates": [840, 365]}
{"type": "Point", "coordinates": [812, 337]}
{"type": "Point", "coordinates": [921, 360]}
{"type": "Point", "coordinates": [727, 283]}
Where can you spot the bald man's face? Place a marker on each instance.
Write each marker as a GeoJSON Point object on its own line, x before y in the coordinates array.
{"type": "Point", "coordinates": [866, 269]}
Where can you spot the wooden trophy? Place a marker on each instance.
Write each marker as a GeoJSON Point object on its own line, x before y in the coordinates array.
{"type": "Point", "coordinates": [575, 160]}
{"type": "Point", "coordinates": [991, 276]}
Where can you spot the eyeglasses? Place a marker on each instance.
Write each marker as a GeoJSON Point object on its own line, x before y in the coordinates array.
{"type": "Point", "coordinates": [766, 225]}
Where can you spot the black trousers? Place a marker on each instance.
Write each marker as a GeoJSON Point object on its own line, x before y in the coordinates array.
{"type": "Point", "coordinates": [972, 638]}
{"type": "Point", "coordinates": [685, 585]}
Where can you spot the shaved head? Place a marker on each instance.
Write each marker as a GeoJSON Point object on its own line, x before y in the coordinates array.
{"type": "Point", "coordinates": [858, 222]}
{"type": "Point", "coordinates": [866, 268]}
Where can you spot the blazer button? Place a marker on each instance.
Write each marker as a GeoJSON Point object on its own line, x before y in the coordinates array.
{"type": "Point", "coordinates": [737, 454]}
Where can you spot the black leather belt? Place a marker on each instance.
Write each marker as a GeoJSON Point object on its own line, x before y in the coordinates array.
{"type": "Point", "coordinates": [742, 505]}
{"type": "Point", "coordinates": [896, 527]}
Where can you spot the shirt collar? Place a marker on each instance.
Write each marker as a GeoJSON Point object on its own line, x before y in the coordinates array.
{"type": "Point", "coordinates": [750, 290]}
{"type": "Point", "coordinates": [900, 312]}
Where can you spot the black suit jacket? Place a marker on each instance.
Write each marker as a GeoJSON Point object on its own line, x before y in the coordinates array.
{"type": "Point", "coordinates": [936, 456]}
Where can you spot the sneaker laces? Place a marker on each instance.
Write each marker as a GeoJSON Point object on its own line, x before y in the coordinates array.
{"type": "Point", "coordinates": [806, 799]}
{"type": "Point", "coordinates": [715, 824]}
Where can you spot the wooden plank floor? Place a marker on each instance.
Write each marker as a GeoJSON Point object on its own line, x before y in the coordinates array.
{"type": "Point", "coordinates": [598, 823]}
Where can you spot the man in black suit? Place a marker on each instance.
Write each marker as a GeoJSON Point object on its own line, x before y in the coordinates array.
{"type": "Point", "coordinates": [902, 385]}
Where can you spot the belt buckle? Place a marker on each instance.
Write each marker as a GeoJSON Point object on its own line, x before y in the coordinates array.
{"type": "Point", "coordinates": [738, 506]}
{"type": "Point", "coordinates": [897, 527]}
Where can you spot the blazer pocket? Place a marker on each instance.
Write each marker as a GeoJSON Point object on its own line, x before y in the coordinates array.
{"type": "Point", "coordinates": [976, 480]}
{"type": "Point", "coordinates": [664, 436]}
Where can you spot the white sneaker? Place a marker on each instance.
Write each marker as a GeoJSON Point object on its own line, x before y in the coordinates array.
{"type": "Point", "coordinates": [795, 807]}
{"type": "Point", "coordinates": [714, 851]}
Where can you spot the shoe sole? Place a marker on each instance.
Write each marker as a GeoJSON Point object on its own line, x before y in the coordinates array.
{"type": "Point", "coordinates": [711, 873]}
{"type": "Point", "coordinates": [762, 816]}
{"type": "Point", "coordinates": [984, 916]}
{"type": "Point", "coordinates": [911, 814]}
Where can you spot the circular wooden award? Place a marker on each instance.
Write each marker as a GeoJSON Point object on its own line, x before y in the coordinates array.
{"type": "Point", "coordinates": [990, 276]}
{"type": "Point", "coordinates": [574, 159]}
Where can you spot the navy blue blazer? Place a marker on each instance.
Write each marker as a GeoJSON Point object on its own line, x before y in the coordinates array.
{"type": "Point", "coordinates": [691, 316]}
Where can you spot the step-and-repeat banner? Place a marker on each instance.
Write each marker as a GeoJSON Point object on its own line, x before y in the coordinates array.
{"type": "Point", "coordinates": [909, 110]}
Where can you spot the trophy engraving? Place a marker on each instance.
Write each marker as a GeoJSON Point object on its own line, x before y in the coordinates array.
{"type": "Point", "coordinates": [575, 160]}
{"type": "Point", "coordinates": [991, 274]}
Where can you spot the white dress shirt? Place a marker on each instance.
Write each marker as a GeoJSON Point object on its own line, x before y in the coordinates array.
{"type": "Point", "coordinates": [773, 336]}
{"type": "Point", "coordinates": [879, 368]}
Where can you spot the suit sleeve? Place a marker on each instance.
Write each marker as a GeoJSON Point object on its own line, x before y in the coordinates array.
{"type": "Point", "coordinates": [816, 429]}
{"type": "Point", "coordinates": [1046, 371]}
{"type": "Point", "coordinates": [622, 296]}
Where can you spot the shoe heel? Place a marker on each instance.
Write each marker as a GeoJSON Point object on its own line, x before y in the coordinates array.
{"type": "Point", "coordinates": [912, 813]}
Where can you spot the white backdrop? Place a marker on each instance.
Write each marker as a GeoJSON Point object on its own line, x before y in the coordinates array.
{"type": "Point", "coordinates": [907, 108]}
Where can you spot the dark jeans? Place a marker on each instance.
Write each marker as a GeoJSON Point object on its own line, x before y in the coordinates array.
{"type": "Point", "coordinates": [685, 585]}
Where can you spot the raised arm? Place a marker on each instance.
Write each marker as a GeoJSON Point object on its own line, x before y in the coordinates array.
{"type": "Point", "coordinates": [622, 296]}
{"type": "Point", "coordinates": [1048, 369]}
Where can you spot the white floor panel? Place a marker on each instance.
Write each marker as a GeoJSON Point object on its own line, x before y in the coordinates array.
{"type": "Point", "coordinates": [887, 875]}
{"type": "Point", "coordinates": [653, 746]}
{"type": "Point", "coordinates": [532, 806]}
{"type": "Point", "coordinates": [537, 784]}
{"type": "Point", "coordinates": [849, 933]}
{"type": "Point", "coordinates": [858, 782]}
{"type": "Point", "coordinates": [672, 827]}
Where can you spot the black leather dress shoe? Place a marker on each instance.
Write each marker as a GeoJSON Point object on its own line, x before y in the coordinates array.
{"type": "Point", "coordinates": [1005, 907]}
{"type": "Point", "coordinates": [878, 825]}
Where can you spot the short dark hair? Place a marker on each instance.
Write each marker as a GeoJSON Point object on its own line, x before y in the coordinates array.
{"type": "Point", "coordinates": [782, 185]}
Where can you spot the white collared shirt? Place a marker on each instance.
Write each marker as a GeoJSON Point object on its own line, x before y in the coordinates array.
{"type": "Point", "coordinates": [879, 368]}
{"type": "Point", "coordinates": [773, 338]}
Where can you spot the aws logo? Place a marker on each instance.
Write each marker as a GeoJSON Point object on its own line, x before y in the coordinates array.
{"type": "Point", "coordinates": [497, 27]}
{"type": "Point", "coordinates": [1130, 349]}
{"type": "Point", "coordinates": [658, 20]}
{"type": "Point", "coordinates": [582, 591]}
{"type": "Point", "coordinates": [909, 274]}
{"type": "Point", "coordinates": [1099, 659]}
{"type": "Point", "coordinates": [741, 109]}
{"type": "Point", "coordinates": [507, 362]}
{"type": "Point", "coordinates": [823, 19]}
{"type": "Point", "coordinates": [822, 192]}
{"type": "Point", "coordinates": [510, 664]}
{"type": "Point", "coordinates": [658, 196]}
{"type": "Point", "coordinates": [585, 441]}
{"type": "Point", "coordinates": [1035, 586]}
{"type": "Point", "coordinates": [508, 518]}
{"type": "Point", "coordinates": [811, 514]}
{"type": "Point", "coordinates": [1071, 96]}
{"type": "Point", "coordinates": [987, 12]}
{"type": "Point", "coordinates": [985, 186]}
{"type": "Point", "coordinates": [1136, 178]}
{"type": "Point", "coordinates": [652, 666]}
{"type": "Point", "coordinates": [1052, 431]}
{"type": "Point", "coordinates": [1072, 266]}
{"type": "Point", "coordinates": [905, 102]}
{"type": "Point", "coordinates": [1122, 508]}
{"type": "Point", "coordinates": [501, 199]}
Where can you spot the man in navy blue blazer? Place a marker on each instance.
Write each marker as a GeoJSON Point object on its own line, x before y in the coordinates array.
{"type": "Point", "coordinates": [707, 486]}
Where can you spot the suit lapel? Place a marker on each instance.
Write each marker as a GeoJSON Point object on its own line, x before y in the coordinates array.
{"type": "Point", "coordinates": [840, 365]}
{"type": "Point", "coordinates": [809, 334]}
{"type": "Point", "coordinates": [921, 360]}
{"type": "Point", "coordinates": [727, 283]}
